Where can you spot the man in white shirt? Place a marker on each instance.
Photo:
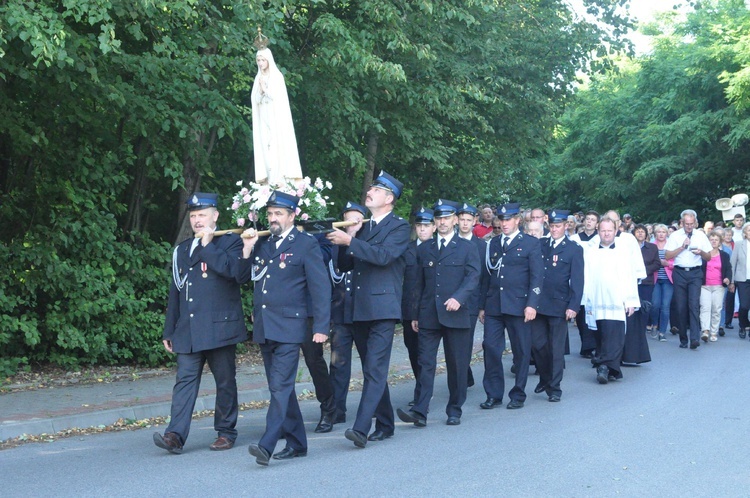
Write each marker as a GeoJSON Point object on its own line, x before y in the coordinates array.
{"type": "Point", "coordinates": [689, 248]}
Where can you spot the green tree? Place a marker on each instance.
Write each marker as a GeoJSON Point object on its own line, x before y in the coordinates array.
{"type": "Point", "coordinates": [666, 131]}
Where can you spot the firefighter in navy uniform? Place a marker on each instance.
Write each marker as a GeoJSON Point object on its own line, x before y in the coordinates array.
{"type": "Point", "coordinates": [559, 302]}
{"type": "Point", "coordinates": [286, 268]}
{"type": "Point", "coordinates": [204, 323]}
{"type": "Point", "coordinates": [511, 284]}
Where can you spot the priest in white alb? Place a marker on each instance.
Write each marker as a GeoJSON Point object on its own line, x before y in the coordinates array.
{"type": "Point", "coordinates": [610, 295]}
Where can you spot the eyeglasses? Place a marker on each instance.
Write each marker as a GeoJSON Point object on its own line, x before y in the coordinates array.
{"type": "Point", "coordinates": [497, 228]}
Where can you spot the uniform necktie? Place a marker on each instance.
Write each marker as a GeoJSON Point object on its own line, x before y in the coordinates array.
{"type": "Point", "coordinates": [373, 224]}
{"type": "Point", "coordinates": [274, 239]}
{"type": "Point", "coordinates": [442, 244]}
{"type": "Point", "coordinates": [506, 243]}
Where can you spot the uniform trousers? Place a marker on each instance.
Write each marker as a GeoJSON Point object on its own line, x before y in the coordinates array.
{"type": "Point", "coordinates": [411, 341]}
{"type": "Point", "coordinates": [548, 338]}
{"type": "Point", "coordinates": [374, 340]}
{"type": "Point", "coordinates": [342, 338]}
{"type": "Point", "coordinates": [687, 301]}
{"type": "Point", "coordinates": [457, 345]}
{"type": "Point", "coordinates": [519, 333]}
{"type": "Point", "coordinates": [743, 289]}
{"type": "Point", "coordinates": [612, 333]}
{"type": "Point", "coordinates": [185, 391]}
{"type": "Point", "coordinates": [728, 311]}
{"type": "Point", "coordinates": [473, 327]}
{"type": "Point", "coordinates": [318, 367]}
{"type": "Point", "coordinates": [281, 360]}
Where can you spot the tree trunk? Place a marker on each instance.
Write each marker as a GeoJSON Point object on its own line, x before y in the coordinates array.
{"type": "Point", "coordinates": [372, 151]}
{"type": "Point", "coordinates": [192, 179]}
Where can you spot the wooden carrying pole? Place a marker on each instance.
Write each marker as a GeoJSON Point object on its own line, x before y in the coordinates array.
{"type": "Point", "coordinates": [306, 227]}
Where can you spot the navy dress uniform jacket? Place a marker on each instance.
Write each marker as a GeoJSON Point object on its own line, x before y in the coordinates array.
{"type": "Point", "coordinates": [409, 305]}
{"type": "Point", "coordinates": [563, 278]}
{"type": "Point", "coordinates": [519, 282]}
{"type": "Point", "coordinates": [481, 246]}
{"type": "Point", "coordinates": [206, 313]}
{"type": "Point", "coordinates": [341, 294]}
{"type": "Point", "coordinates": [280, 300]}
{"type": "Point", "coordinates": [374, 256]}
{"type": "Point", "coordinates": [450, 273]}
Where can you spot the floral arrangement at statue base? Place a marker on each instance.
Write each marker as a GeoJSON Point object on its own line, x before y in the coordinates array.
{"type": "Point", "coordinates": [248, 204]}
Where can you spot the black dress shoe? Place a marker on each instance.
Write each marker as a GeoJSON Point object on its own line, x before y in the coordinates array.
{"type": "Point", "coordinates": [340, 418]}
{"type": "Point", "coordinates": [412, 402]}
{"type": "Point", "coordinates": [674, 330]}
{"type": "Point", "coordinates": [554, 398]}
{"type": "Point", "coordinates": [540, 388]}
{"type": "Point", "coordinates": [514, 404]}
{"type": "Point", "coordinates": [359, 439]}
{"type": "Point", "coordinates": [602, 374]}
{"type": "Point", "coordinates": [743, 332]}
{"type": "Point", "coordinates": [694, 344]}
{"type": "Point", "coordinates": [683, 345]}
{"type": "Point", "coordinates": [491, 403]}
{"type": "Point", "coordinates": [325, 424]}
{"type": "Point", "coordinates": [411, 417]}
{"type": "Point", "coordinates": [453, 421]}
{"type": "Point", "coordinates": [288, 453]}
{"type": "Point", "coordinates": [379, 435]}
{"type": "Point", "coordinates": [721, 332]}
{"type": "Point", "coordinates": [729, 326]}
{"type": "Point", "coordinates": [259, 452]}
{"type": "Point", "coordinates": [170, 441]}
{"type": "Point", "coordinates": [513, 369]}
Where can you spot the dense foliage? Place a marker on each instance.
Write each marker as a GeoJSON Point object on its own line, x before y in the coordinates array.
{"type": "Point", "coordinates": [112, 112]}
{"type": "Point", "coordinates": [668, 131]}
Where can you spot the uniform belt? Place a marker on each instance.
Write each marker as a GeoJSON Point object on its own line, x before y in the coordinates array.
{"type": "Point", "coordinates": [687, 268]}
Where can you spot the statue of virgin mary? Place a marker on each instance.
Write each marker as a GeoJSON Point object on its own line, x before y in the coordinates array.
{"type": "Point", "coordinates": [274, 141]}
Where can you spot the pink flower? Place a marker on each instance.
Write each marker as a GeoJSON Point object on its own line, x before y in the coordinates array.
{"type": "Point", "coordinates": [235, 206]}
{"type": "Point", "coordinates": [244, 191]}
{"type": "Point", "coordinates": [241, 222]}
{"type": "Point", "coordinates": [300, 192]}
{"type": "Point", "coordinates": [252, 216]}
{"type": "Point", "coordinates": [300, 185]}
{"type": "Point", "coordinates": [247, 198]}
{"type": "Point", "coordinates": [297, 211]}
{"type": "Point", "coordinates": [304, 216]}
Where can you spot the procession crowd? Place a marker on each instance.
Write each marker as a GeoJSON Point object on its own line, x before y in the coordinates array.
{"type": "Point", "coordinates": [525, 274]}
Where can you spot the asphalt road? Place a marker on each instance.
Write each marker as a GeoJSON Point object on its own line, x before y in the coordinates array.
{"type": "Point", "coordinates": [677, 426]}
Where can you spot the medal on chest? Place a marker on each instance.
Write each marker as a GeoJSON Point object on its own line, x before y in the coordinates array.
{"type": "Point", "coordinates": [282, 258]}
{"type": "Point", "coordinates": [204, 269]}
{"type": "Point", "coordinates": [554, 260]}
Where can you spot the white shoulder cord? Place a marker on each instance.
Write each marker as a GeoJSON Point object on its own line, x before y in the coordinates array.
{"type": "Point", "coordinates": [489, 264]}
{"type": "Point", "coordinates": [178, 282]}
{"type": "Point", "coordinates": [335, 277]}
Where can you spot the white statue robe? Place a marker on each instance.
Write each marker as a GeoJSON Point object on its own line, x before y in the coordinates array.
{"type": "Point", "coordinates": [274, 141]}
